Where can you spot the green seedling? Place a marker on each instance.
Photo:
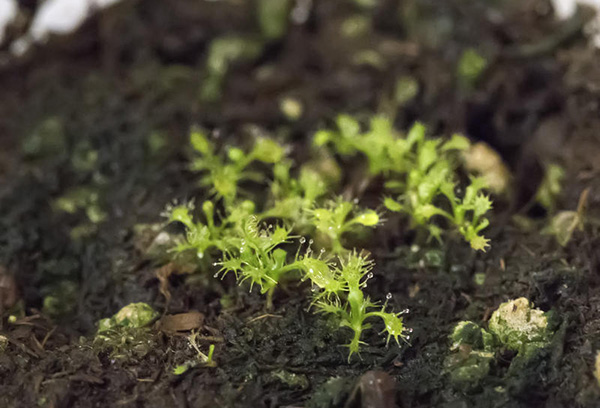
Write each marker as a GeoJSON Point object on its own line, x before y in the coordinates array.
{"type": "Point", "coordinates": [202, 237]}
{"type": "Point", "coordinates": [338, 289]}
{"type": "Point", "coordinates": [338, 217]}
{"type": "Point", "coordinates": [378, 144]}
{"type": "Point", "coordinates": [551, 187]}
{"type": "Point", "coordinates": [470, 67]}
{"type": "Point", "coordinates": [223, 173]}
{"type": "Point", "coordinates": [340, 292]}
{"type": "Point", "coordinates": [419, 171]}
{"type": "Point", "coordinates": [81, 198]}
{"type": "Point", "coordinates": [259, 259]}
{"type": "Point", "coordinates": [294, 197]}
{"type": "Point", "coordinates": [205, 360]}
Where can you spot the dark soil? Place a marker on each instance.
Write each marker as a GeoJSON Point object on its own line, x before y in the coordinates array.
{"type": "Point", "coordinates": [136, 71]}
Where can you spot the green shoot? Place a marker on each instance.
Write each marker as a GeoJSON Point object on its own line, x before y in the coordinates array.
{"type": "Point", "coordinates": [342, 294]}
{"type": "Point", "coordinates": [204, 359]}
{"type": "Point", "coordinates": [223, 174]}
{"type": "Point", "coordinates": [377, 143]}
{"type": "Point", "coordinates": [202, 237]}
{"type": "Point", "coordinates": [419, 171]}
{"type": "Point", "coordinates": [258, 259]}
{"type": "Point", "coordinates": [263, 263]}
{"type": "Point", "coordinates": [338, 217]}
{"type": "Point", "coordinates": [293, 197]}
{"type": "Point", "coordinates": [551, 187]}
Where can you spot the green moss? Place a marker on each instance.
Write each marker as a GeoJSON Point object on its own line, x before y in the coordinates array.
{"type": "Point", "coordinates": [518, 326]}
{"type": "Point", "coordinates": [468, 333]}
{"type": "Point", "coordinates": [291, 379]}
{"type": "Point", "coordinates": [47, 140]}
{"type": "Point", "coordinates": [61, 300]}
{"type": "Point", "coordinates": [134, 315]}
{"type": "Point", "coordinates": [515, 325]}
{"type": "Point", "coordinates": [469, 368]}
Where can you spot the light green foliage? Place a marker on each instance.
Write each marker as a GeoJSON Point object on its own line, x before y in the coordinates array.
{"type": "Point", "coordinates": [551, 186]}
{"type": "Point", "coordinates": [564, 223]}
{"type": "Point", "coordinates": [292, 108]}
{"type": "Point", "coordinates": [338, 217]}
{"type": "Point", "coordinates": [259, 258]}
{"type": "Point", "coordinates": [87, 200]}
{"type": "Point", "coordinates": [204, 236]}
{"type": "Point", "coordinates": [338, 288]}
{"type": "Point", "coordinates": [3, 344]}
{"type": "Point", "coordinates": [84, 159]}
{"type": "Point", "coordinates": [407, 88]}
{"type": "Point", "coordinates": [379, 144]}
{"type": "Point", "coordinates": [356, 26]}
{"type": "Point", "coordinates": [134, 315]}
{"type": "Point", "coordinates": [223, 173]}
{"type": "Point", "coordinates": [273, 17]}
{"type": "Point", "coordinates": [292, 380]}
{"type": "Point", "coordinates": [467, 214]}
{"type": "Point", "coordinates": [81, 198]}
{"type": "Point", "coordinates": [292, 197]}
{"type": "Point", "coordinates": [420, 171]}
{"type": "Point", "coordinates": [470, 67]}
{"type": "Point", "coordinates": [341, 293]}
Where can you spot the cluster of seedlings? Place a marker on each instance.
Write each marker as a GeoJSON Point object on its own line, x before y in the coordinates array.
{"type": "Point", "coordinates": [299, 229]}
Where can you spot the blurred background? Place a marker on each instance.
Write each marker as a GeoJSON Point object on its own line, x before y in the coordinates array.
{"type": "Point", "coordinates": [97, 98]}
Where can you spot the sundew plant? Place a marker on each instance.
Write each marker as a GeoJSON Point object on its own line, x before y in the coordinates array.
{"type": "Point", "coordinates": [259, 234]}
{"type": "Point", "coordinates": [420, 174]}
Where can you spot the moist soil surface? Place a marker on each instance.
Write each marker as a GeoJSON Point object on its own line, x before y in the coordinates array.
{"type": "Point", "coordinates": [108, 109]}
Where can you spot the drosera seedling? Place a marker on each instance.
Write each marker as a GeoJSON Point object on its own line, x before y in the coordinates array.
{"type": "Point", "coordinates": [222, 173]}
{"type": "Point", "coordinates": [340, 292]}
{"type": "Point", "coordinates": [209, 233]}
{"type": "Point", "coordinates": [257, 245]}
{"type": "Point", "coordinates": [340, 216]}
{"type": "Point", "coordinates": [420, 174]}
{"type": "Point", "coordinates": [293, 197]}
{"type": "Point", "coordinates": [205, 360]}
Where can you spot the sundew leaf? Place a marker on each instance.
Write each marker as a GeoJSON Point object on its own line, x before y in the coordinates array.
{"type": "Point", "coordinates": [368, 218]}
